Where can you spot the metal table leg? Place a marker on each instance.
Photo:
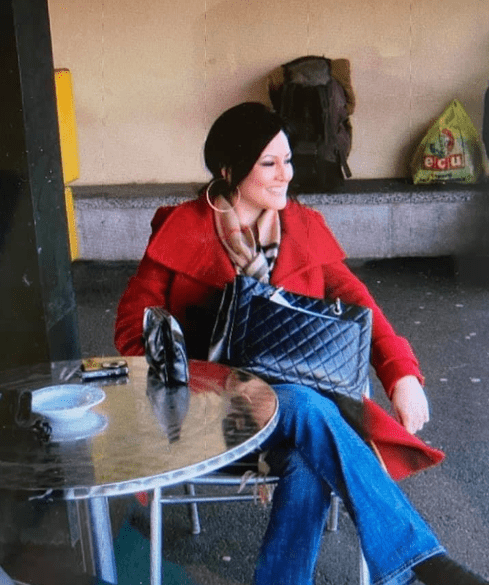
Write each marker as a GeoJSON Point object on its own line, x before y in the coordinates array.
{"type": "Point", "coordinates": [102, 542]}
{"type": "Point", "coordinates": [156, 537]}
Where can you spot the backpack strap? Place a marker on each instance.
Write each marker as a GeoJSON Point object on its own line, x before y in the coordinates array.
{"type": "Point", "coordinates": [324, 93]}
{"type": "Point", "coordinates": [340, 70]}
{"type": "Point", "coordinates": [286, 100]}
{"type": "Point", "coordinates": [332, 125]}
{"type": "Point", "coordinates": [344, 164]}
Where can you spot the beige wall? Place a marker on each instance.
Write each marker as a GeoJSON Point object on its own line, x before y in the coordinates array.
{"type": "Point", "coordinates": [151, 75]}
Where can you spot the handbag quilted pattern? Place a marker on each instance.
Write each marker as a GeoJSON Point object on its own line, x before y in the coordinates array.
{"type": "Point", "coordinates": [295, 340]}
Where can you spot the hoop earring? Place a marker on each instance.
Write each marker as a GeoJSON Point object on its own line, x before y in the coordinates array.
{"type": "Point", "coordinates": [212, 206]}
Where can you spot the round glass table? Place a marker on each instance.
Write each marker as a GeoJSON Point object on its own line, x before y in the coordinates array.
{"type": "Point", "coordinates": [115, 436]}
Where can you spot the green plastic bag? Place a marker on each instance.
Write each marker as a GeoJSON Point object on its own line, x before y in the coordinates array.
{"type": "Point", "coordinates": [451, 151]}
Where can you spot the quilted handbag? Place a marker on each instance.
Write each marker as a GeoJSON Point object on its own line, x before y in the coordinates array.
{"type": "Point", "coordinates": [288, 338]}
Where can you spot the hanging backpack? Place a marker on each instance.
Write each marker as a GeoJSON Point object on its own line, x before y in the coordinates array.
{"type": "Point", "coordinates": [314, 96]}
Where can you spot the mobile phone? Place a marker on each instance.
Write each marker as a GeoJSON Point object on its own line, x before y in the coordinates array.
{"type": "Point", "coordinates": [103, 368]}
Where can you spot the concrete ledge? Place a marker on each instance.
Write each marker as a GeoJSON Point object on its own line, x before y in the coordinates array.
{"type": "Point", "coordinates": [376, 218]}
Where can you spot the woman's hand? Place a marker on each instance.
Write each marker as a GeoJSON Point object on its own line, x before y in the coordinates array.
{"type": "Point", "coordinates": [410, 404]}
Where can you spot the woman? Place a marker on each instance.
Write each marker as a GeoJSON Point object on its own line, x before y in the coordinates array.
{"type": "Point", "coordinates": [245, 223]}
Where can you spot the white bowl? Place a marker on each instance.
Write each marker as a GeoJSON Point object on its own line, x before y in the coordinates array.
{"type": "Point", "coordinates": [67, 401]}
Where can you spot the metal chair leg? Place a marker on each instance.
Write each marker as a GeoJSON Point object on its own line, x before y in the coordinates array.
{"type": "Point", "coordinates": [364, 572]}
{"type": "Point", "coordinates": [334, 510]}
{"type": "Point", "coordinates": [193, 509]}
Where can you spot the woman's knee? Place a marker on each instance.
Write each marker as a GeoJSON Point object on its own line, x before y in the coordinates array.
{"type": "Point", "coordinates": [305, 398]}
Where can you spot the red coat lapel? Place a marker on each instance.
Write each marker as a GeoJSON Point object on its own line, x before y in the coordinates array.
{"type": "Point", "coordinates": [186, 243]}
{"type": "Point", "coordinates": [306, 243]}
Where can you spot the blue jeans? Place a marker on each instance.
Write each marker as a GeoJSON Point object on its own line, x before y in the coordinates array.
{"type": "Point", "coordinates": [314, 450]}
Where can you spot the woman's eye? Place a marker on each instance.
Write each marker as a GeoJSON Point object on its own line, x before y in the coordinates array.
{"type": "Point", "coordinates": [271, 163]}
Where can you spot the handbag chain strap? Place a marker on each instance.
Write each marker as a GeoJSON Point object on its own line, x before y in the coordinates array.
{"type": "Point", "coordinates": [277, 297]}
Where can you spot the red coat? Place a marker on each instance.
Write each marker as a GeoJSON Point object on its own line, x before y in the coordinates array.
{"type": "Point", "coordinates": [185, 268]}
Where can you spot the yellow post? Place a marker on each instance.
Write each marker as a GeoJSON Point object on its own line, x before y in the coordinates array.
{"type": "Point", "coordinates": [69, 148]}
{"type": "Point", "coordinates": [70, 216]}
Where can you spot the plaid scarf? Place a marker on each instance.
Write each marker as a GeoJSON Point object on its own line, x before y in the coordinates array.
{"type": "Point", "coordinates": [250, 257]}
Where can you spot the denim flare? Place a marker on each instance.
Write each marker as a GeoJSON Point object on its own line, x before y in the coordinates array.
{"type": "Point", "coordinates": [315, 451]}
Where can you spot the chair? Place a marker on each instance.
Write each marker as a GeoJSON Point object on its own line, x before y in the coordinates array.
{"type": "Point", "coordinates": [224, 479]}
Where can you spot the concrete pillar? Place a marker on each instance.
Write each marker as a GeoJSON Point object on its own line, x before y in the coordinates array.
{"type": "Point", "coordinates": [38, 316]}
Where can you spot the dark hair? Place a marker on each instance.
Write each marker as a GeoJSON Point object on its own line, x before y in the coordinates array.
{"type": "Point", "coordinates": [238, 137]}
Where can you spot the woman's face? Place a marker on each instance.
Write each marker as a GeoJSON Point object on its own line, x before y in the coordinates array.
{"type": "Point", "coordinates": [265, 187]}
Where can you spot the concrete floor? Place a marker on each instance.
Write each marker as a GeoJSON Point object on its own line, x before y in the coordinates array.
{"type": "Point", "coordinates": [445, 314]}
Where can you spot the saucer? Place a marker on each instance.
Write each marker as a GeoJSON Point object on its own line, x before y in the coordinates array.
{"type": "Point", "coordinates": [88, 425]}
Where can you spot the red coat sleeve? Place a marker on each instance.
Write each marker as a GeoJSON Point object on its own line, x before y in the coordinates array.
{"type": "Point", "coordinates": [146, 289]}
{"type": "Point", "coordinates": [392, 356]}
